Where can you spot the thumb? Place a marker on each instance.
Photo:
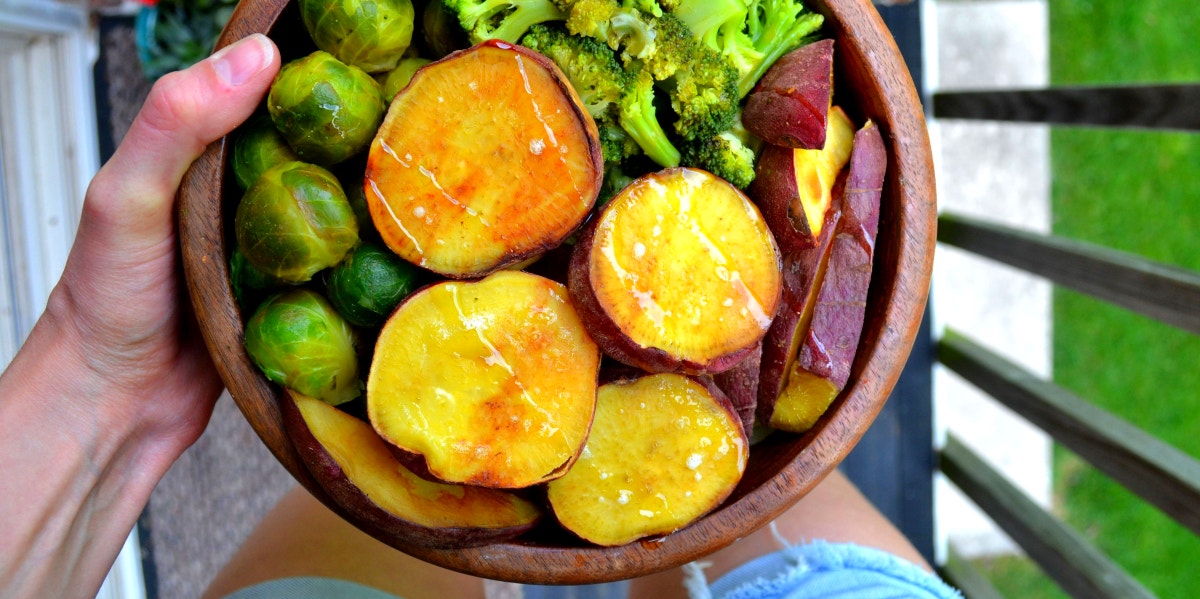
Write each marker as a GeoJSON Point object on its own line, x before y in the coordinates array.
{"type": "Point", "coordinates": [132, 195]}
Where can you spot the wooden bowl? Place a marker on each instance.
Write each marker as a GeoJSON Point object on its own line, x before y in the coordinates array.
{"type": "Point", "coordinates": [872, 81]}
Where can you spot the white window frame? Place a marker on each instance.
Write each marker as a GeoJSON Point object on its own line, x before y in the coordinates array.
{"type": "Point", "coordinates": [48, 154]}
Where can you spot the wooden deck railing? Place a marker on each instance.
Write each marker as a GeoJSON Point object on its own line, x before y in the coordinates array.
{"type": "Point", "coordinates": [1160, 474]}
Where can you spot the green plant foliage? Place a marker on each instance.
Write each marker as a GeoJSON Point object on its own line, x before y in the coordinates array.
{"type": "Point", "coordinates": [175, 34]}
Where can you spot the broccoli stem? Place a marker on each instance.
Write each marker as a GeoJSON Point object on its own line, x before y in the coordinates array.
{"type": "Point", "coordinates": [640, 121]}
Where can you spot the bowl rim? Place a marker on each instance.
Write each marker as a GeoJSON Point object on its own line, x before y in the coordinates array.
{"type": "Point", "coordinates": [873, 64]}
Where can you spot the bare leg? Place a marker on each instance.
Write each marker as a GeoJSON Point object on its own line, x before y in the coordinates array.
{"type": "Point", "coordinates": [835, 511]}
{"type": "Point", "coordinates": [301, 537]}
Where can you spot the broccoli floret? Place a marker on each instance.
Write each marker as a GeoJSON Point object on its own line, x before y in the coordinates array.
{"type": "Point", "coordinates": [506, 20]}
{"type": "Point", "coordinates": [596, 75]}
{"type": "Point", "coordinates": [638, 29]}
{"type": "Point", "coordinates": [704, 95]}
{"type": "Point", "coordinates": [751, 35]}
{"type": "Point", "coordinates": [615, 143]}
{"type": "Point", "coordinates": [776, 27]}
{"type": "Point", "coordinates": [724, 155]}
{"type": "Point", "coordinates": [590, 66]}
{"type": "Point", "coordinates": [623, 29]}
{"type": "Point", "coordinates": [639, 118]}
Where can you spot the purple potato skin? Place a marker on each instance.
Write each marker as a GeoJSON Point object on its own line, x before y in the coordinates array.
{"type": "Point", "coordinates": [832, 341]}
{"type": "Point", "coordinates": [800, 270]}
{"type": "Point", "coordinates": [740, 384]}
{"type": "Point", "coordinates": [790, 105]}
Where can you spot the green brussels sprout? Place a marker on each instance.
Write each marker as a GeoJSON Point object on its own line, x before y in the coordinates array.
{"type": "Point", "coordinates": [357, 196]}
{"type": "Point", "coordinates": [327, 110]}
{"type": "Point", "coordinates": [299, 341]}
{"type": "Point", "coordinates": [257, 147]}
{"type": "Point", "coordinates": [294, 222]}
{"type": "Point", "coordinates": [369, 283]}
{"type": "Point", "coordinates": [248, 282]}
{"type": "Point", "coordinates": [397, 78]}
{"type": "Point", "coordinates": [369, 34]}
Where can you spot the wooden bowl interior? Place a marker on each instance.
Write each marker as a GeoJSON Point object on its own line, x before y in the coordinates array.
{"type": "Point", "coordinates": [872, 81]}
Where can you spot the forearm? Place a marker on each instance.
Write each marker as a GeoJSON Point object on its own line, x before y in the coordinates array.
{"type": "Point", "coordinates": [76, 467]}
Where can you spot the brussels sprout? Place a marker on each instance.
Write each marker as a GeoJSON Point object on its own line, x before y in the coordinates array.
{"type": "Point", "coordinates": [397, 78]}
{"type": "Point", "coordinates": [248, 282]}
{"type": "Point", "coordinates": [326, 110]}
{"type": "Point", "coordinates": [257, 147]}
{"type": "Point", "coordinates": [357, 196]}
{"type": "Point", "coordinates": [294, 222]}
{"type": "Point", "coordinates": [369, 34]}
{"type": "Point", "coordinates": [367, 285]}
{"type": "Point", "coordinates": [299, 341]}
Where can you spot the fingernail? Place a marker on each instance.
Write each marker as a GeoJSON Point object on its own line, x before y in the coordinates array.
{"type": "Point", "coordinates": [237, 63]}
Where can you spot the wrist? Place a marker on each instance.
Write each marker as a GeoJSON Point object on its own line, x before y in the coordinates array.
{"type": "Point", "coordinates": [76, 466]}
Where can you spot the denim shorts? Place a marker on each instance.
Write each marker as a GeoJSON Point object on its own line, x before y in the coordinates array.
{"type": "Point", "coordinates": [809, 571]}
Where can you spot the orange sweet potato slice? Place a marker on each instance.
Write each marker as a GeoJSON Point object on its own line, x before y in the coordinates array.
{"type": "Point", "coordinates": [485, 160]}
{"type": "Point", "coordinates": [664, 450]}
{"type": "Point", "coordinates": [356, 468]}
{"type": "Point", "coordinates": [678, 273]}
{"type": "Point", "coordinates": [492, 382]}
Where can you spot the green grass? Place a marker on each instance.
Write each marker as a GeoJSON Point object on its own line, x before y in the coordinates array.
{"type": "Point", "coordinates": [1136, 192]}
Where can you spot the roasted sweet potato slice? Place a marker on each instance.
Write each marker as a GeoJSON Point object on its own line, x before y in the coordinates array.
{"type": "Point", "coordinates": [355, 467]}
{"type": "Point", "coordinates": [492, 382]}
{"type": "Point", "coordinates": [827, 351]}
{"type": "Point", "coordinates": [677, 274]}
{"type": "Point", "coordinates": [803, 273]}
{"type": "Point", "coordinates": [487, 158]}
{"type": "Point", "coordinates": [794, 188]}
{"type": "Point", "coordinates": [664, 450]}
{"type": "Point", "coordinates": [790, 105]}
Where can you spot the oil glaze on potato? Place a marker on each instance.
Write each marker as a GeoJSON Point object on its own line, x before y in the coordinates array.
{"type": "Point", "coordinates": [790, 105]}
{"type": "Point", "coordinates": [492, 382]}
{"type": "Point", "coordinates": [354, 466]}
{"type": "Point", "coordinates": [678, 273]}
{"type": "Point", "coordinates": [827, 351]}
{"type": "Point", "coordinates": [794, 188]}
{"type": "Point", "coordinates": [664, 450]}
{"type": "Point", "coordinates": [486, 159]}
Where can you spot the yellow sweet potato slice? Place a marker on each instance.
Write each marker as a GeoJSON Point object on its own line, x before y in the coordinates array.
{"type": "Point", "coordinates": [664, 450]}
{"type": "Point", "coordinates": [677, 274]}
{"type": "Point", "coordinates": [358, 471]}
{"type": "Point", "coordinates": [492, 382]}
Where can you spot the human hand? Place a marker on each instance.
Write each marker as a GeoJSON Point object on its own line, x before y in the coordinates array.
{"type": "Point", "coordinates": [113, 383]}
{"type": "Point", "coordinates": [121, 290]}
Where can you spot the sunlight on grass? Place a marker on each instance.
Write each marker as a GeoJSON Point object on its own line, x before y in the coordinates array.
{"type": "Point", "coordinates": [1133, 191]}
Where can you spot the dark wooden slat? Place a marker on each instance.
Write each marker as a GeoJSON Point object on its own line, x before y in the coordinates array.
{"type": "Point", "coordinates": [1161, 291]}
{"type": "Point", "coordinates": [964, 576]}
{"type": "Point", "coordinates": [1172, 107]}
{"type": "Point", "coordinates": [1076, 565]}
{"type": "Point", "coordinates": [894, 462]}
{"type": "Point", "coordinates": [1162, 475]}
